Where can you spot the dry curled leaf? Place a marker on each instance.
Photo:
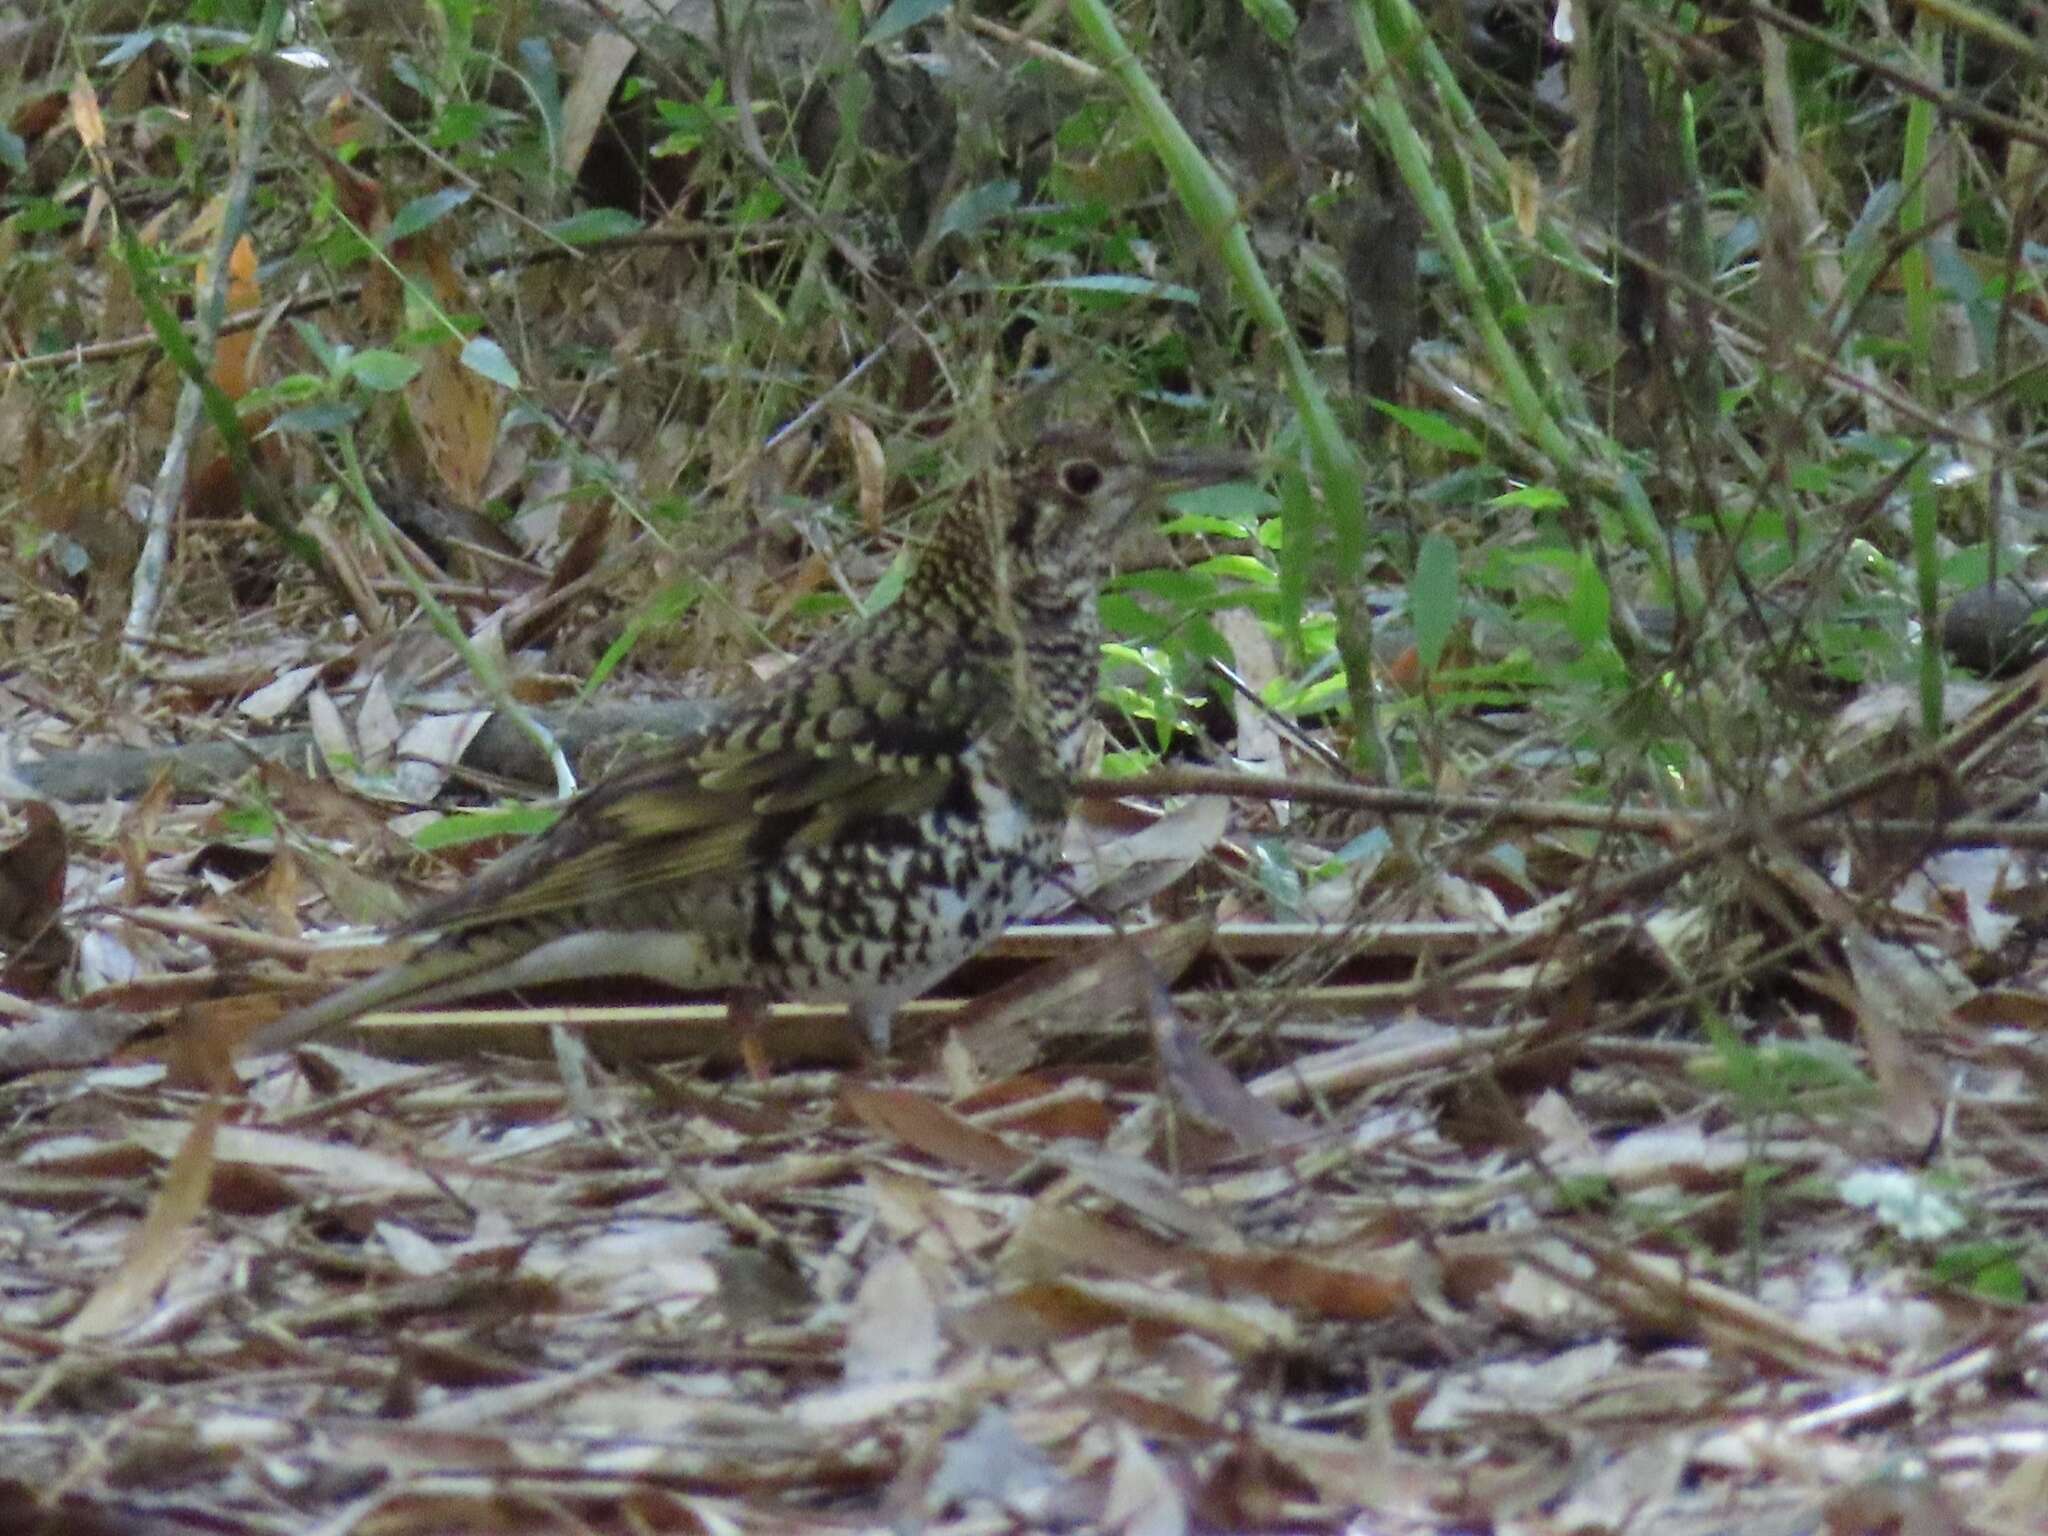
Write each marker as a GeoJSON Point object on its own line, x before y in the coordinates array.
{"type": "Point", "coordinates": [35, 947]}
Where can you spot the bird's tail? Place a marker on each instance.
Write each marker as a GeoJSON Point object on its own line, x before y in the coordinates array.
{"type": "Point", "coordinates": [441, 971]}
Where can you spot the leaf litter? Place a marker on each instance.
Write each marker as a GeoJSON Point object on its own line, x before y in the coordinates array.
{"type": "Point", "coordinates": [1421, 1196]}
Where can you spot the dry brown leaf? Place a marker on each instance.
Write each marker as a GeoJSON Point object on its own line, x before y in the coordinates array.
{"type": "Point", "coordinates": [353, 1169]}
{"type": "Point", "coordinates": [892, 1329]}
{"type": "Point", "coordinates": [377, 726]}
{"type": "Point", "coordinates": [931, 1128]}
{"type": "Point", "coordinates": [331, 735]}
{"type": "Point", "coordinates": [326, 810]}
{"type": "Point", "coordinates": [1256, 660]}
{"type": "Point", "coordinates": [942, 1225]}
{"type": "Point", "coordinates": [869, 469]}
{"type": "Point", "coordinates": [1033, 1316]}
{"type": "Point", "coordinates": [1203, 1086]}
{"type": "Point", "coordinates": [457, 412]}
{"type": "Point", "coordinates": [1056, 1239]}
{"type": "Point", "coordinates": [1145, 1191]}
{"type": "Point", "coordinates": [32, 878]}
{"type": "Point", "coordinates": [136, 836]}
{"type": "Point", "coordinates": [160, 1242]}
{"type": "Point", "coordinates": [231, 353]}
{"type": "Point", "coordinates": [64, 1037]}
{"type": "Point", "coordinates": [33, 944]}
{"type": "Point", "coordinates": [1029, 1104]}
{"type": "Point", "coordinates": [1313, 1288]}
{"type": "Point", "coordinates": [1039, 1313]}
{"type": "Point", "coordinates": [428, 752]}
{"type": "Point", "coordinates": [277, 893]}
{"type": "Point", "coordinates": [1093, 983]}
{"type": "Point", "coordinates": [1901, 1003]}
{"type": "Point", "coordinates": [1119, 868]}
{"type": "Point", "coordinates": [530, 617]}
{"type": "Point", "coordinates": [598, 69]}
{"type": "Point", "coordinates": [86, 121]}
{"type": "Point", "coordinates": [1144, 1498]}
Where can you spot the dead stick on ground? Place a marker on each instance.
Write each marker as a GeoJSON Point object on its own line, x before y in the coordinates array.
{"type": "Point", "coordinates": [1506, 811]}
{"type": "Point", "coordinates": [1997, 720]}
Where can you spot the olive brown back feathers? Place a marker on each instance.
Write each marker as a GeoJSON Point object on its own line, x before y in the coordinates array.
{"type": "Point", "coordinates": [861, 825]}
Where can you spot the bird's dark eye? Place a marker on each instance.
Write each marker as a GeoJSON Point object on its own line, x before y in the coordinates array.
{"type": "Point", "coordinates": [1080, 477]}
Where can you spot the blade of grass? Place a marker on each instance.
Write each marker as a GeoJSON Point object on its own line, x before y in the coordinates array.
{"type": "Point", "coordinates": [1916, 277]}
{"type": "Point", "coordinates": [450, 628]}
{"type": "Point", "coordinates": [1213, 208]}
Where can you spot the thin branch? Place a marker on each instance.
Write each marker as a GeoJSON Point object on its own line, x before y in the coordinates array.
{"type": "Point", "coordinates": [145, 600]}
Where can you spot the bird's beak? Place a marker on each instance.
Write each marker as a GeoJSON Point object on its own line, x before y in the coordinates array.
{"type": "Point", "coordinates": [1173, 472]}
{"type": "Point", "coordinates": [1164, 476]}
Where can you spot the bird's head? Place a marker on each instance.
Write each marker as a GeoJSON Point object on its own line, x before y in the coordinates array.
{"type": "Point", "coordinates": [1071, 493]}
{"type": "Point", "coordinates": [1033, 547]}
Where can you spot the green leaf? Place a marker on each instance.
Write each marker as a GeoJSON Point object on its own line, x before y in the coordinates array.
{"type": "Point", "coordinates": [762, 202]}
{"type": "Point", "coordinates": [43, 215]}
{"type": "Point", "coordinates": [1277, 875]}
{"type": "Point", "coordinates": [1276, 16]}
{"type": "Point", "coordinates": [130, 46]}
{"type": "Point", "coordinates": [423, 211]}
{"type": "Point", "coordinates": [249, 820]}
{"type": "Point", "coordinates": [1538, 498]}
{"type": "Point", "coordinates": [672, 602]}
{"type": "Point", "coordinates": [886, 590]}
{"type": "Point", "coordinates": [1433, 597]}
{"type": "Point", "coordinates": [1438, 431]}
{"type": "Point", "coordinates": [1988, 1268]}
{"type": "Point", "coordinates": [1198, 522]}
{"type": "Point", "coordinates": [975, 207]}
{"type": "Point", "coordinates": [593, 225]}
{"type": "Point", "coordinates": [326, 353]}
{"type": "Point", "coordinates": [900, 17]}
{"type": "Point", "coordinates": [1297, 522]}
{"type": "Point", "coordinates": [294, 389]}
{"type": "Point", "coordinates": [1243, 567]}
{"type": "Point", "coordinates": [1182, 587]}
{"type": "Point", "coordinates": [1589, 611]}
{"type": "Point", "coordinates": [382, 371]}
{"type": "Point", "coordinates": [1235, 501]}
{"type": "Point", "coordinates": [475, 826]}
{"type": "Point", "coordinates": [482, 355]}
{"type": "Point", "coordinates": [459, 123]}
{"type": "Point", "coordinates": [327, 416]}
{"type": "Point", "coordinates": [537, 67]}
{"type": "Point", "coordinates": [1123, 283]}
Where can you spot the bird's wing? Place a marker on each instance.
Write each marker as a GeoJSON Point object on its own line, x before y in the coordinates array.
{"type": "Point", "coordinates": [834, 746]}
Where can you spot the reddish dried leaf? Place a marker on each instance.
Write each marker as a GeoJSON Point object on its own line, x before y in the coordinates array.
{"type": "Point", "coordinates": [32, 878]}
{"type": "Point", "coordinates": [932, 1128]}
{"type": "Point", "coordinates": [35, 946]}
{"type": "Point", "coordinates": [1062, 1116]}
{"type": "Point", "coordinates": [456, 410]}
{"type": "Point", "coordinates": [1320, 1290]}
{"type": "Point", "coordinates": [231, 353]}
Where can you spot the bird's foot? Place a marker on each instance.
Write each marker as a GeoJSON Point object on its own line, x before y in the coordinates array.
{"type": "Point", "coordinates": [746, 1010]}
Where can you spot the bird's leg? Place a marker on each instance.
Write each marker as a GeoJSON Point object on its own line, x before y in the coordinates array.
{"type": "Point", "coordinates": [871, 1023]}
{"type": "Point", "coordinates": [746, 1010]}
